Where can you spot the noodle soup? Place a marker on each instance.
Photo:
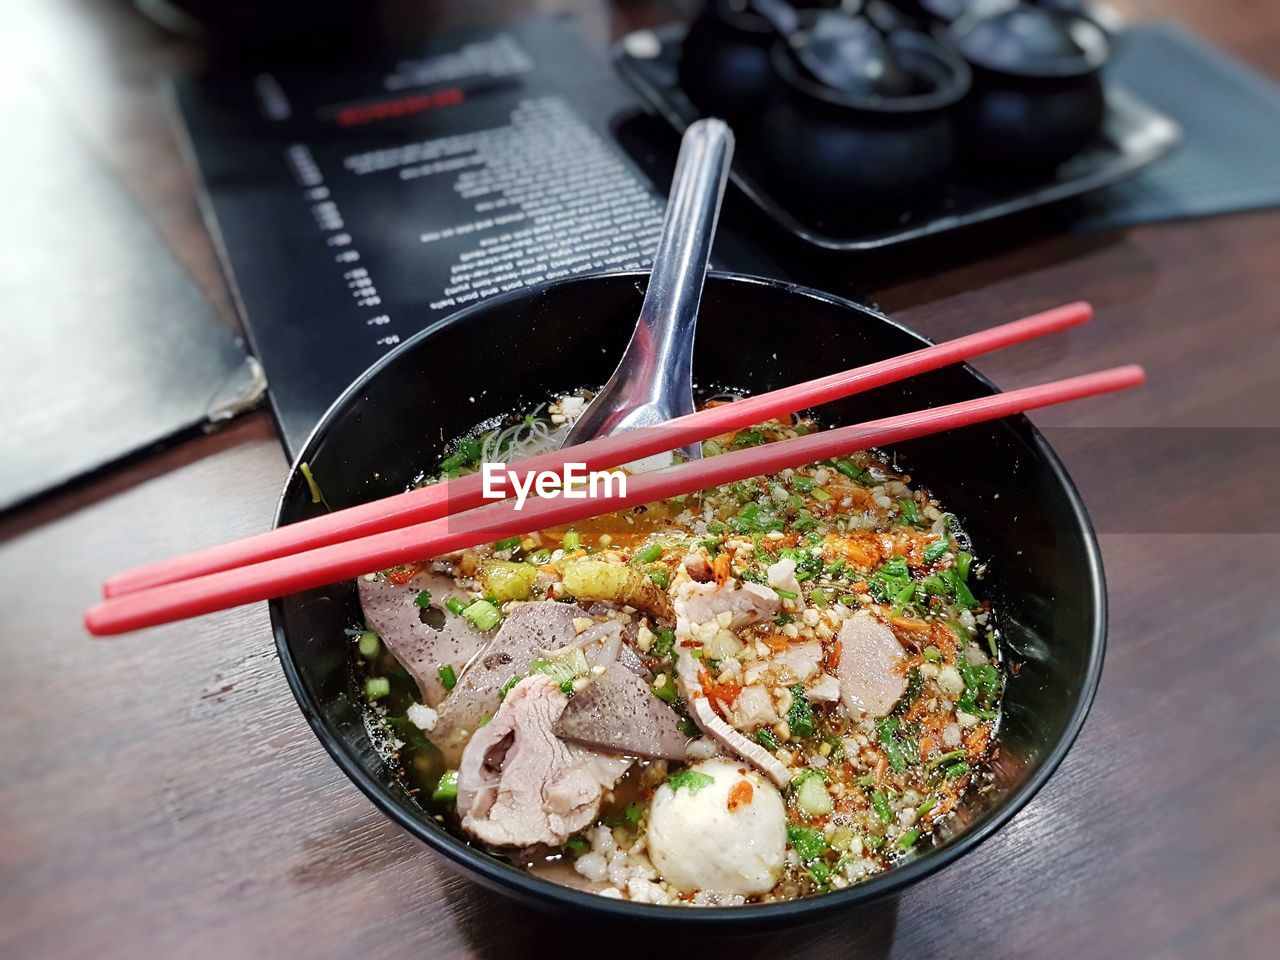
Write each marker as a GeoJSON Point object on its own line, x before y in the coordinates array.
{"type": "Point", "coordinates": [765, 691]}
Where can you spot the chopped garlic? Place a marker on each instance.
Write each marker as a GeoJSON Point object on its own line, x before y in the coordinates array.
{"type": "Point", "coordinates": [422, 717]}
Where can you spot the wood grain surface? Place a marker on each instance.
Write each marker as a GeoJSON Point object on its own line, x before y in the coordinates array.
{"type": "Point", "coordinates": [161, 795]}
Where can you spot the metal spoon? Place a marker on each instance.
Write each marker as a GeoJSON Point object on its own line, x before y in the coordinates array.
{"type": "Point", "coordinates": [654, 381]}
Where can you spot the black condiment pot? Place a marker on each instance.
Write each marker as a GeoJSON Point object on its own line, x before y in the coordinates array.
{"type": "Point", "coordinates": [845, 156]}
{"type": "Point", "coordinates": [1037, 95]}
{"type": "Point", "coordinates": [725, 64]}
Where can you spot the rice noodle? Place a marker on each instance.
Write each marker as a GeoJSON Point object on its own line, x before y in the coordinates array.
{"type": "Point", "coordinates": [531, 436]}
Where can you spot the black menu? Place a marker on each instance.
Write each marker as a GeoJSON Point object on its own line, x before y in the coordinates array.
{"type": "Point", "coordinates": [356, 206]}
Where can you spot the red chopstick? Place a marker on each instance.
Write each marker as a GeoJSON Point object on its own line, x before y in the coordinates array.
{"type": "Point", "coordinates": [352, 558]}
{"type": "Point", "coordinates": [438, 500]}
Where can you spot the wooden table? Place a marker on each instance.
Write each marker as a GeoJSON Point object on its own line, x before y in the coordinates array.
{"type": "Point", "coordinates": [161, 794]}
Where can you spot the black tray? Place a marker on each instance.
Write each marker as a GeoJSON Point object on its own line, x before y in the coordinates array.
{"type": "Point", "coordinates": [1133, 135]}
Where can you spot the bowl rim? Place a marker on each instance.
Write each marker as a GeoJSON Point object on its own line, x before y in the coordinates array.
{"type": "Point", "coordinates": [951, 89]}
{"type": "Point", "coordinates": [492, 873]}
{"type": "Point", "coordinates": [1096, 48]}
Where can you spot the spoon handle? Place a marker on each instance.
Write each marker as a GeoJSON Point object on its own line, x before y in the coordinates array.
{"type": "Point", "coordinates": [654, 381]}
{"type": "Point", "coordinates": [669, 315]}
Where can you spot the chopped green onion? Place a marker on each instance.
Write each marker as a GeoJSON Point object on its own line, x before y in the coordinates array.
{"type": "Point", "coordinates": [873, 841]}
{"type": "Point", "coordinates": [765, 737]}
{"type": "Point", "coordinates": [649, 554]}
{"type": "Point", "coordinates": [964, 561]}
{"type": "Point", "coordinates": [663, 645]}
{"type": "Point", "coordinates": [577, 845]}
{"type": "Point", "coordinates": [850, 469]}
{"type": "Point", "coordinates": [571, 541]}
{"type": "Point", "coordinates": [891, 579]}
{"type": "Point", "coordinates": [934, 586]}
{"type": "Point", "coordinates": [785, 594]}
{"type": "Point", "coordinates": [455, 606]}
{"type": "Point", "coordinates": [800, 716]}
{"type": "Point", "coordinates": [804, 520]}
{"type": "Point", "coordinates": [834, 568]}
{"type": "Point", "coordinates": [368, 644]}
{"type": "Point", "coordinates": [446, 788]}
{"type": "Point", "coordinates": [932, 653]}
{"type": "Point", "coordinates": [821, 495]}
{"type": "Point", "coordinates": [909, 838]}
{"type": "Point", "coordinates": [910, 514]}
{"type": "Point", "coordinates": [945, 758]}
{"type": "Point", "coordinates": [687, 727]}
{"type": "Point", "coordinates": [926, 805]}
{"type": "Point", "coordinates": [806, 841]}
{"type": "Point", "coordinates": [991, 644]}
{"type": "Point", "coordinates": [630, 815]}
{"type": "Point", "coordinates": [423, 599]}
{"type": "Point", "coordinates": [664, 688]}
{"type": "Point", "coordinates": [660, 577]}
{"type": "Point", "coordinates": [964, 596]}
{"type": "Point", "coordinates": [689, 779]}
{"type": "Point", "coordinates": [880, 803]}
{"type": "Point", "coordinates": [710, 448]}
{"type": "Point", "coordinates": [539, 557]}
{"type": "Point", "coordinates": [820, 873]}
{"type": "Point", "coordinates": [888, 730]}
{"type": "Point", "coordinates": [468, 453]}
{"type": "Point", "coordinates": [510, 543]}
{"type": "Point", "coordinates": [506, 687]}
{"type": "Point", "coordinates": [448, 679]}
{"type": "Point", "coordinates": [903, 597]}
{"type": "Point", "coordinates": [483, 614]}
{"type": "Point", "coordinates": [915, 684]}
{"type": "Point", "coordinates": [935, 550]}
{"type": "Point", "coordinates": [375, 688]}
{"type": "Point", "coordinates": [820, 597]}
{"type": "Point", "coordinates": [957, 770]}
{"type": "Point", "coordinates": [564, 666]}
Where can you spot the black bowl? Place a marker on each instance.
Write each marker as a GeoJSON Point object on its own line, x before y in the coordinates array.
{"type": "Point", "coordinates": [724, 64]}
{"type": "Point", "coordinates": [1006, 485]}
{"type": "Point", "coordinates": [844, 157]}
{"type": "Point", "coordinates": [1037, 96]}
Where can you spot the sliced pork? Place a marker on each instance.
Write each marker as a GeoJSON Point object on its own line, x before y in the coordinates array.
{"type": "Point", "coordinates": [618, 712]}
{"type": "Point", "coordinates": [753, 708]}
{"type": "Point", "coordinates": [519, 784]}
{"type": "Point", "coordinates": [701, 603]}
{"type": "Point", "coordinates": [528, 630]}
{"type": "Point", "coordinates": [798, 662]}
{"type": "Point", "coordinates": [825, 690]}
{"type": "Point", "coordinates": [715, 726]}
{"type": "Point", "coordinates": [872, 666]}
{"type": "Point", "coordinates": [422, 639]}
